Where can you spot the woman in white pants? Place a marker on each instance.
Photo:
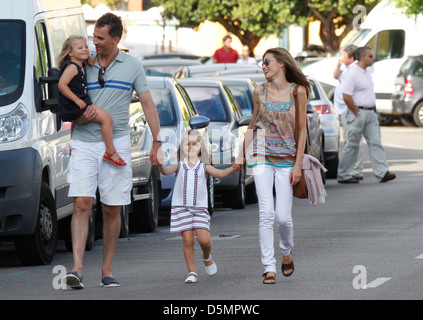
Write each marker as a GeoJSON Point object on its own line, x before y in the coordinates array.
{"type": "Point", "coordinates": [276, 157]}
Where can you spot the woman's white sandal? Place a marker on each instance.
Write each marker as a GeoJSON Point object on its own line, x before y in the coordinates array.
{"type": "Point", "coordinates": [192, 278]}
{"type": "Point", "coordinates": [211, 269]}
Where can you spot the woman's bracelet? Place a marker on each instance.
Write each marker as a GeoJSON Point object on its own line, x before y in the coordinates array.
{"type": "Point", "coordinates": [159, 141]}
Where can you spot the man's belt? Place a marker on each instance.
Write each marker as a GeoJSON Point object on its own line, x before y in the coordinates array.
{"type": "Point", "coordinates": [367, 108]}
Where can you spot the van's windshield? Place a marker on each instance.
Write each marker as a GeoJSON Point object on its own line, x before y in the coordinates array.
{"type": "Point", "coordinates": [356, 39]}
{"type": "Point", "coordinates": [12, 60]}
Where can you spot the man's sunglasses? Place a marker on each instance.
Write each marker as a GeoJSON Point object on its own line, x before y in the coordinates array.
{"type": "Point", "coordinates": [101, 73]}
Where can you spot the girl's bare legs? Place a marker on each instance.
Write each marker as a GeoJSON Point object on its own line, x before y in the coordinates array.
{"type": "Point", "coordinates": [106, 121]}
{"type": "Point", "coordinates": [188, 243]}
{"type": "Point", "coordinates": [203, 237]}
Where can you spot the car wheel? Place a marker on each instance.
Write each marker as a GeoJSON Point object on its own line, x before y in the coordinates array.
{"type": "Point", "coordinates": [40, 247]}
{"type": "Point", "coordinates": [238, 196]}
{"type": "Point", "coordinates": [332, 166]}
{"type": "Point", "coordinates": [407, 121]}
{"type": "Point", "coordinates": [145, 214]}
{"type": "Point", "coordinates": [251, 193]}
{"type": "Point", "coordinates": [418, 115]}
{"type": "Point", "coordinates": [124, 221]}
{"type": "Point", "coordinates": [67, 233]}
{"type": "Point", "coordinates": [210, 191]}
{"type": "Point", "coordinates": [322, 161]}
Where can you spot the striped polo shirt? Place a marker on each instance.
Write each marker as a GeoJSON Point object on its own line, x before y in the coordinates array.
{"type": "Point", "coordinates": [124, 75]}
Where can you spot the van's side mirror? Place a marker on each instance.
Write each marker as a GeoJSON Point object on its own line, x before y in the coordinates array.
{"type": "Point", "coordinates": [52, 80]}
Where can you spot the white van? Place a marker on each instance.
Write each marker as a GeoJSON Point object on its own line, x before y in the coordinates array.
{"type": "Point", "coordinates": [393, 37]}
{"type": "Point", "coordinates": [34, 151]}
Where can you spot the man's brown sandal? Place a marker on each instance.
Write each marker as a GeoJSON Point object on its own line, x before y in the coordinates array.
{"type": "Point", "coordinates": [268, 278]}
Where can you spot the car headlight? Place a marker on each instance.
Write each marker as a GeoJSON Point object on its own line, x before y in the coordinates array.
{"type": "Point", "coordinates": [14, 125]}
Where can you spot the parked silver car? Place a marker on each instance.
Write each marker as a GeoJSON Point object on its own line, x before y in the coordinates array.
{"type": "Point", "coordinates": [241, 88]}
{"type": "Point", "coordinates": [166, 67]}
{"type": "Point", "coordinates": [177, 114]}
{"type": "Point", "coordinates": [407, 99]}
{"type": "Point", "coordinates": [214, 100]}
{"type": "Point", "coordinates": [207, 70]}
{"type": "Point", "coordinates": [330, 123]}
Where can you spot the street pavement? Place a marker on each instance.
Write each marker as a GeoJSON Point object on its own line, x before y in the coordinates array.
{"type": "Point", "coordinates": [364, 243]}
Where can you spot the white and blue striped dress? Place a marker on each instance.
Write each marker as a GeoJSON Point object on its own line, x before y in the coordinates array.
{"type": "Point", "coordinates": [189, 200]}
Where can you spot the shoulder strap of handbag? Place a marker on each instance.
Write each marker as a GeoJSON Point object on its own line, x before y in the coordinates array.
{"type": "Point", "coordinates": [297, 126]}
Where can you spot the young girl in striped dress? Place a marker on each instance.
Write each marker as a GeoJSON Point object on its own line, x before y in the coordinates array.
{"type": "Point", "coordinates": [190, 198]}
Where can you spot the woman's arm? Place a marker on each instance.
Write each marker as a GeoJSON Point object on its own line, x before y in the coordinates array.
{"type": "Point", "coordinates": [248, 137]}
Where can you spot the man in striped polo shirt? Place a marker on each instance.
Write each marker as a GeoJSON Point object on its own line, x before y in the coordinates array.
{"type": "Point", "coordinates": [111, 82]}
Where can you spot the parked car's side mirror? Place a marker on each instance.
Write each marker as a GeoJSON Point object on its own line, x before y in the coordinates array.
{"type": "Point", "coordinates": [198, 122]}
{"type": "Point", "coordinates": [245, 120]}
{"type": "Point", "coordinates": [310, 108]}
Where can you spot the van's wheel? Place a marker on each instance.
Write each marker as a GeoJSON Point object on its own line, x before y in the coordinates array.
{"type": "Point", "coordinates": [40, 247]}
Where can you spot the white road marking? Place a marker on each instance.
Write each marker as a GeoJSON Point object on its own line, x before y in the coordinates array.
{"type": "Point", "coordinates": [375, 283]}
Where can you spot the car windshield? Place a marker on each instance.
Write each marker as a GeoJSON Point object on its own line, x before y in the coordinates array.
{"type": "Point", "coordinates": [12, 60]}
{"type": "Point", "coordinates": [244, 98]}
{"type": "Point", "coordinates": [160, 71]}
{"type": "Point", "coordinates": [165, 107]}
{"type": "Point", "coordinates": [355, 40]}
{"type": "Point", "coordinates": [405, 67]}
{"type": "Point", "coordinates": [314, 93]}
{"type": "Point", "coordinates": [208, 102]}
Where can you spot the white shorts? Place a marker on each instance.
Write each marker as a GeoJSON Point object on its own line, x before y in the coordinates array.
{"type": "Point", "coordinates": [87, 170]}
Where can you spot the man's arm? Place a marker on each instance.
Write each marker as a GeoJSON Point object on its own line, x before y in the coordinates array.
{"type": "Point", "coordinates": [350, 103]}
{"type": "Point", "coordinates": [153, 121]}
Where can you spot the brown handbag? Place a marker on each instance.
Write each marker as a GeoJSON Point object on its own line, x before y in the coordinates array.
{"type": "Point", "coordinates": [300, 189]}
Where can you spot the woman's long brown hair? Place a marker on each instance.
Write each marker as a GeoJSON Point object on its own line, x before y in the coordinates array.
{"type": "Point", "coordinates": [293, 72]}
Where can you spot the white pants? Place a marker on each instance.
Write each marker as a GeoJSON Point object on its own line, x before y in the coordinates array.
{"type": "Point", "coordinates": [87, 170]}
{"type": "Point", "coordinates": [265, 177]}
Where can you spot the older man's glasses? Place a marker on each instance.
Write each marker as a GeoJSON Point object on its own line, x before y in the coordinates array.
{"type": "Point", "coordinates": [101, 73]}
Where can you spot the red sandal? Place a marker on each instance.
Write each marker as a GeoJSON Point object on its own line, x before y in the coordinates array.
{"type": "Point", "coordinates": [119, 162]}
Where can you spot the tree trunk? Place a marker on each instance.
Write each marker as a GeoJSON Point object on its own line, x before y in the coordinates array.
{"type": "Point", "coordinates": [246, 37]}
{"type": "Point", "coordinates": [331, 42]}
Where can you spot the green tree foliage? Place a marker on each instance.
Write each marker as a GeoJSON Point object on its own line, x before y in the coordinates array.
{"type": "Point", "coordinates": [252, 20]}
{"type": "Point", "coordinates": [248, 20]}
{"type": "Point", "coordinates": [333, 15]}
{"type": "Point", "coordinates": [412, 7]}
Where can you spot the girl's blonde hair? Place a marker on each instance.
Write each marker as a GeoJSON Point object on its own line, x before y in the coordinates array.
{"type": "Point", "coordinates": [293, 71]}
{"type": "Point", "coordinates": [67, 48]}
{"type": "Point", "coordinates": [205, 156]}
